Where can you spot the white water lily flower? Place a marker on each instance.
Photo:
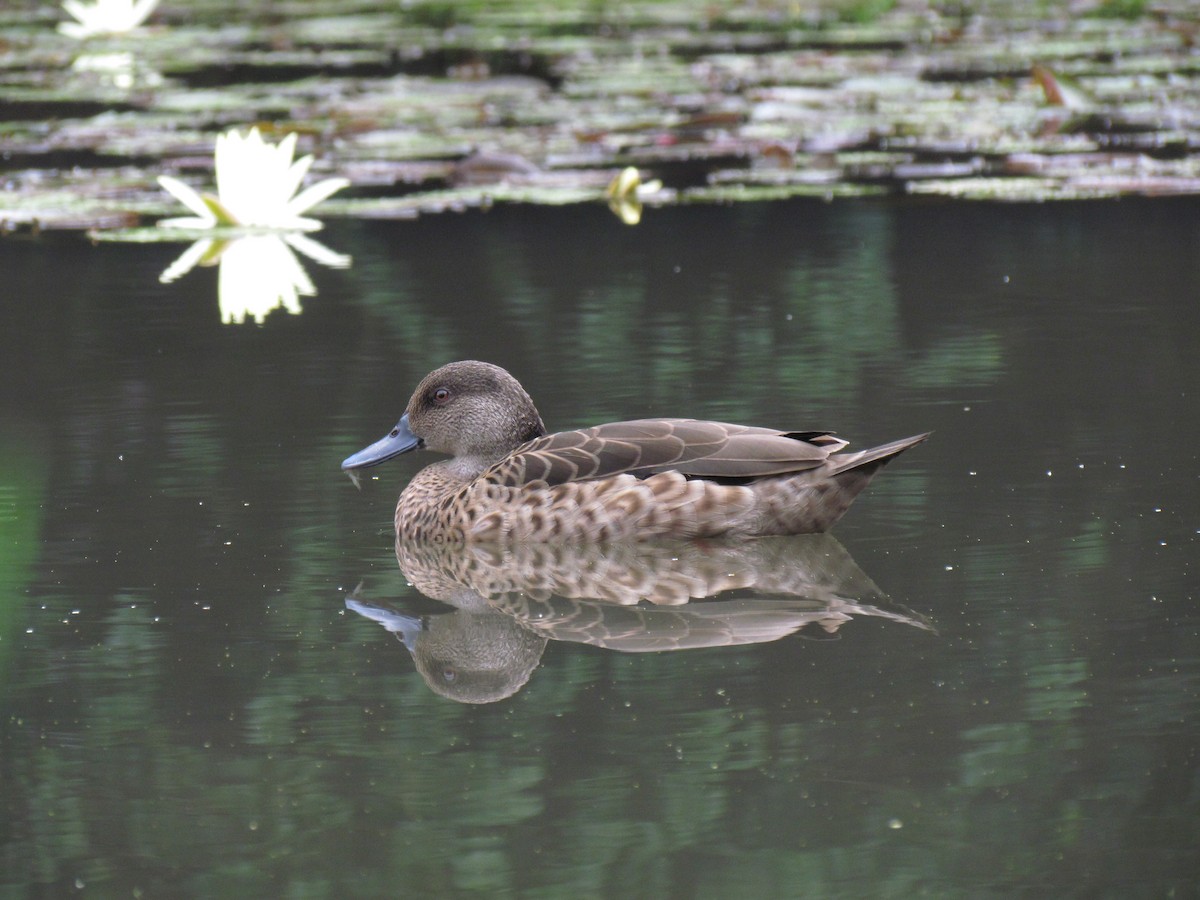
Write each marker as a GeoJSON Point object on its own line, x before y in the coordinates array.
{"type": "Point", "coordinates": [258, 272]}
{"type": "Point", "coordinates": [255, 184]}
{"type": "Point", "coordinates": [105, 16]}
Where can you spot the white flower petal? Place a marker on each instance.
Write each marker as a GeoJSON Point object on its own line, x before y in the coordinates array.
{"type": "Point", "coordinates": [78, 11]}
{"type": "Point", "coordinates": [230, 173]}
{"type": "Point", "coordinates": [286, 149]}
{"type": "Point", "coordinates": [187, 195]}
{"type": "Point", "coordinates": [294, 178]}
{"type": "Point", "coordinates": [141, 11]}
{"type": "Point", "coordinates": [315, 193]}
{"type": "Point", "coordinates": [106, 16]}
{"type": "Point", "coordinates": [281, 176]}
{"type": "Point", "coordinates": [243, 175]}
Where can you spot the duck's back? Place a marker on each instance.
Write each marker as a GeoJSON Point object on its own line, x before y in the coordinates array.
{"type": "Point", "coordinates": [645, 480]}
{"type": "Point", "coordinates": [645, 447]}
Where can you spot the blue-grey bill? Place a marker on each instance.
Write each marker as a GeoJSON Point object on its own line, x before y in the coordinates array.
{"type": "Point", "coordinates": [399, 440]}
{"type": "Point", "coordinates": [407, 627]}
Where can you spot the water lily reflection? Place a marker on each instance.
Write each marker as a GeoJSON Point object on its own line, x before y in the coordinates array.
{"type": "Point", "coordinates": [105, 16]}
{"type": "Point", "coordinates": [258, 273]}
{"type": "Point", "coordinates": [121, 70]}
{"type": "Point", "coordinates": [256, 182]}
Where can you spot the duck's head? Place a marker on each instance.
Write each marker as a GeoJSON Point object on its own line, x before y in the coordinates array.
{"type": "Point", "coordinates": [474, 411]}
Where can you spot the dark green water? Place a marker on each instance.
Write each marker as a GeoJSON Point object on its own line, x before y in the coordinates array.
{"type": "Point", "coordinates": [187, 708]}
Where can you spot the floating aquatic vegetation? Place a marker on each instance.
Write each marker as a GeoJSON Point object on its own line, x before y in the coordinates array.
{"type": "Point", "coordinates": [762, 193]}
{"type": "Point", "coordinates": [105, 16]}
{"type": "Point", "coordinates": [725, 104]}
{"type": "Point", "coordinates": [1014, 190]}
{"type": "Point", "coordinates": [37, 199]}
{"type": "Point", "coordinates": [256, 182]}
{"type": "Point", "coordinates": [549, 191]}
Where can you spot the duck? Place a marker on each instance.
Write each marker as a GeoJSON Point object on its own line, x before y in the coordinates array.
{"type": "Point", "coordinates": [510, 480]}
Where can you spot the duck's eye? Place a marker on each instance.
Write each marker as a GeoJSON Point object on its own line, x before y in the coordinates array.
{"type": "Point", "coordinates": [441, 396]}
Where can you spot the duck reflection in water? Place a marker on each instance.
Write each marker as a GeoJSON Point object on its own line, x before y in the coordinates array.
{"type": "Point", "coordinates": [510, 600]}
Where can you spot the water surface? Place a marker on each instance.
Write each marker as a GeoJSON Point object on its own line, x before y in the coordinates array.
{"type": "Point", "coordinates": [188, 708]}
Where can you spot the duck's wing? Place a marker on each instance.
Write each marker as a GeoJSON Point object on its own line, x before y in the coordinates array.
{"type": "Point", "coordinates": [644, 447]}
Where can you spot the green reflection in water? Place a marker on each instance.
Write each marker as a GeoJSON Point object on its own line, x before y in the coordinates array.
{"type": "Point", "coordinates": [266, 746]}
{"type": "Point", "coordinates": [845, 314]}
{"type": "Point", "coordinates": [960, 361]}
{"type": "Point", "coordinates": [23, 483]}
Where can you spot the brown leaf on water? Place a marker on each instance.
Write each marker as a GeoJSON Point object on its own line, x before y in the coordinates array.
{"type": "Point", "coordinates": [1057, 90]}
{"type": "Point", "coordinates": [1049, 85]}
{"type": "Point", "coordinates": [775, 155]}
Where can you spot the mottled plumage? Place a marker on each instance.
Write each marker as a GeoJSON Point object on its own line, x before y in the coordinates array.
{"type": "Point", "coordinates": [629, 597]}
{"type": "Point", "coordinates": [508, 480]}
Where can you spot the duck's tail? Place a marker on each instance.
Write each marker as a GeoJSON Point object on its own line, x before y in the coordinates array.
{"type": "Point", "coordinates": [814, 500]}
{"type": "Point", "coordinates": [867, 461]}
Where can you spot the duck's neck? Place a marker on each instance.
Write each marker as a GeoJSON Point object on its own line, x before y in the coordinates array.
{"type": "Point", "coordinates": [466, 468]}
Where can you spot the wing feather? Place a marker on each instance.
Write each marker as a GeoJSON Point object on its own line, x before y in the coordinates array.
{"type": "Point", "coordinates": [646, 447]}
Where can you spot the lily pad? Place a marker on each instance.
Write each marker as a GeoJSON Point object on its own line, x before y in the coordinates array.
{"type": "Point", "coordinates": [724, 102]}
